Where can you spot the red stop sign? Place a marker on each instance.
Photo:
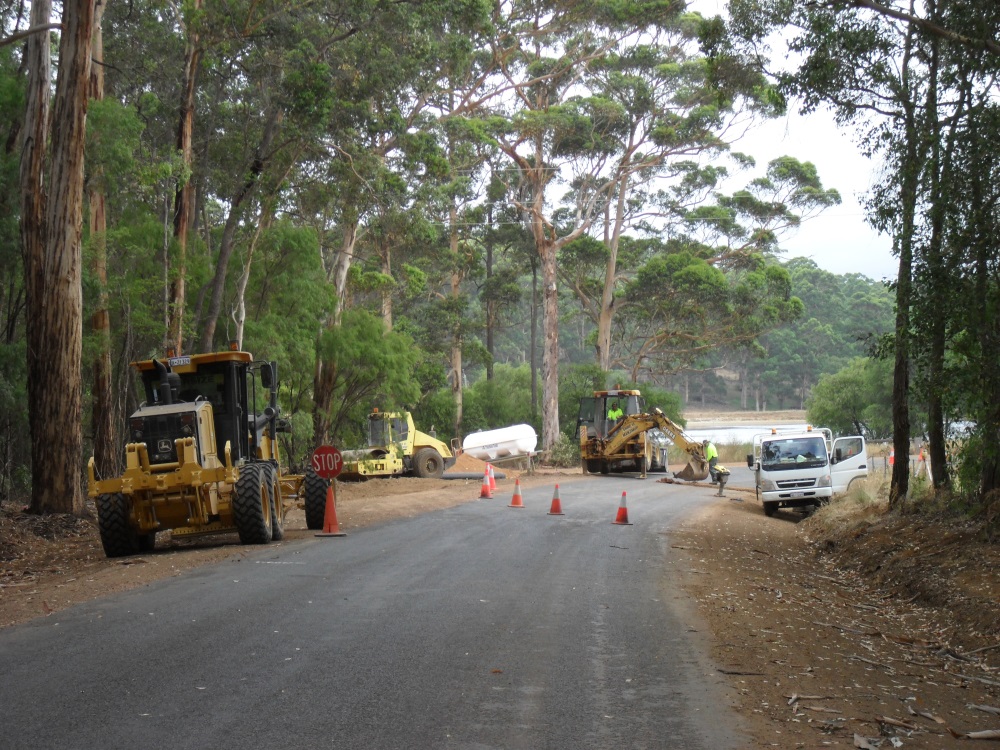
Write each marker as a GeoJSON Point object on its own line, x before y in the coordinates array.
{"type": "Point", "coordinates": [327, 461]}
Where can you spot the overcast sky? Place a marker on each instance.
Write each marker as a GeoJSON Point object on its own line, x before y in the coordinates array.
{"type": "Point", "coordinates": [838, 239]}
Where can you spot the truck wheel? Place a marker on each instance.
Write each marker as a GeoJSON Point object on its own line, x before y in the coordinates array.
{"type": "Point", "coordinates": [593, 465]}
{"type": "Point", "coordinates": [605, 467]}
{"type": "Point", "coordinates": [277, 505]}
{"type": "Point", "coordinates": [770, 509]}
{"type": "Point", "coordinates": [252, 506]}
{"type": "Point", "coordinates": [314, 488]}
{"type": "Point", "coordinates": [118, 535]}
{"type": "Point", "coordinates": [428, 464]}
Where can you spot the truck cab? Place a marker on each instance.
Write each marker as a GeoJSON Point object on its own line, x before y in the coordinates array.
{"type": "Point", "coordinates": [804, 467]}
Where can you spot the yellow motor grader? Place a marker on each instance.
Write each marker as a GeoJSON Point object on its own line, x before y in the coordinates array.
{"type": "Point", "coordinates": [202, 456]}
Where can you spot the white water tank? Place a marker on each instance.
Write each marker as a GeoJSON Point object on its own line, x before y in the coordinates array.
{"type": "Point", "coordinates": [489, 445]}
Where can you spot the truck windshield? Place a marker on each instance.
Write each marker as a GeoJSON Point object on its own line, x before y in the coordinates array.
{"type": "Point", "coordinates": [784, 454]}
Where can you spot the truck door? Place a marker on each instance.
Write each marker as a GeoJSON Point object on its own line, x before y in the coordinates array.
{"type": "Point", "coordinates": [849, 461]}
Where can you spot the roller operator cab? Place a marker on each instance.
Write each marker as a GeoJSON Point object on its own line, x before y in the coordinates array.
{"type": "Point", "coordinates": [805, 467]}
{"type": "Point", "coordinates": [202, 455]}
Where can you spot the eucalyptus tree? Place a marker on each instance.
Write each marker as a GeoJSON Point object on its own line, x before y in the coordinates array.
{"type": "Point", "coordinates": [914, 79]}
{"type": "Point", "coordinates": [533, 99]}
{"type": "Point", "coordinates": [51, 226]}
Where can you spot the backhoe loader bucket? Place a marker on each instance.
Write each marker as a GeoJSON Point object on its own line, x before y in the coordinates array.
{"type": "Point", "coordinates": [696, 469]}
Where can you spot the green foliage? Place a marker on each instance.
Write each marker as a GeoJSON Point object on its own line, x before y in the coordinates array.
{"type": "Point", "coordinates": [374, 367]}
{"type": "Point", "coordinates": [15, 448]}
{"type": "Point", "coordinates": [855, 401]}
{"type": "Point", "coordinates": [503, 400]}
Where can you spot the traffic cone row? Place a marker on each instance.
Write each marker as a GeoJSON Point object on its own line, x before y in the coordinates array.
{"type": "Point", "coordinates": [517, 501]}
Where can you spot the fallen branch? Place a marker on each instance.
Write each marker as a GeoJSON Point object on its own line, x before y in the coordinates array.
{"type": "Point", "coordinates": [925, 714]}
{"type": "Point", "coordinates": [986, 734]}
{"type": "Point", "coordinates": [732, 671]}
{"type": "Point", "coordinates": [846, 630]}
{"type": "Point", "coordinates": [987, 709]}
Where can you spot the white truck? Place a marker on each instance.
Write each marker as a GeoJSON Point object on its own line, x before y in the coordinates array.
{"type": "Point", "coordinates": [804, 467]}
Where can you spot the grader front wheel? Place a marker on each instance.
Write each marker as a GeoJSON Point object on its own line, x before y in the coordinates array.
{"type": "Point", "coordinates": [118, 536]}
{"type": "Point", "coordinates": [252, 506]}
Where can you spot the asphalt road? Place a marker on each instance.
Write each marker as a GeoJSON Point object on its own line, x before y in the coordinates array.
{"type": "Point", "coordinates": [480, 626]}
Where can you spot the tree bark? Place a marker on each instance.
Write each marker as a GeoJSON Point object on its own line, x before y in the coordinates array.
{"type": "Point", "coordinates": [184, 199]}
{"type": "Point", "coordinates": [899, 484]}
{"type": "Point", "coordinates": [103, 413]}
{"type": "Point", "coordinates": [51, 231]}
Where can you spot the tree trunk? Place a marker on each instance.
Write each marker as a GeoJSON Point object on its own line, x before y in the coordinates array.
{"type": "Point", "coordinates": [607, 309]}
{"type": "Point", "coordinates": [533, 341]}
{"type": "Point", "coordinates": [550, 351]}
{"type": "Point", "coordinates": [228, 243]}
{"type": "Point", "coordinates": [53, 262]}
{"type": "Point", "coordinates": [184, 199]}
{"type": "Point", "coordinates": [457, 331]}
{"type": "Point", "coordinates": [899, 484]}
{"type": "Point", "coordinates": [325, 373]}
{"type": "Point", "coordinates": [387, 294]}
{"type": "Point", "coordinates": [103, 413]}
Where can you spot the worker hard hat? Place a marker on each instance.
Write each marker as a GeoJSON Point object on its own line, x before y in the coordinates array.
{"type": "Point", "coordinates": [704, 442]}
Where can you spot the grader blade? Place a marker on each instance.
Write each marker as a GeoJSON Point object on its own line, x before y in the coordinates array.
{"type": "Point", "coordinates": [696, 470]}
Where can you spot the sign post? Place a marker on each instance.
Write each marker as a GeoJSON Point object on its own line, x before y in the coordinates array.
{"type": "Point", "coordinates": [327, 463]}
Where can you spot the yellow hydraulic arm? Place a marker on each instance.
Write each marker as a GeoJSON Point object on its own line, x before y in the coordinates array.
{"type": "Point", "coordinates": [632, 425]}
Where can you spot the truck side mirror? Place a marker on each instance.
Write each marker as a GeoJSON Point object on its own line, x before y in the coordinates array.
{"type": "Point", "coordinates": [749, 460]}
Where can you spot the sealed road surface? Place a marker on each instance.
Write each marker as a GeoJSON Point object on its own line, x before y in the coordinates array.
{"type": "Point", "coordinates": [480, 626]}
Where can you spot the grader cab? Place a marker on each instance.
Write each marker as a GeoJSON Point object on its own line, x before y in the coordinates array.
{"type": "Point", "coordinates": [202, 456]}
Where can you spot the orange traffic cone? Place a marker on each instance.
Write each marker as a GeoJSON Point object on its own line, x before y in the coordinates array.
{"type": "Point", "coordinates": [485, 491]}
{"type": "Point", "coordinates": [330, 525]}
{"type": "Point", "coordinates": [493, 481]}
{"type": "Point", "coordinates": [516, 502]}
{"type": "Point", "coordinates": [622, 518]}
{"type": "Point", "coordinates": [556, 509]}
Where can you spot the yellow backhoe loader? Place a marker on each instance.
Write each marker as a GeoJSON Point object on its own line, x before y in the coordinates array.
{"type": "Point", "coordinates": [624, 438]}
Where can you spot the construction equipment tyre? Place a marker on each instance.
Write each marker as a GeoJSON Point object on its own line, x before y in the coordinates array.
{"type": "Point", "coordinates": [428, 464]}
{"type": "Point", "coordinates": [118, 536]}
{"type": "Point", "coordinates": [252, 506]}
{"type": "Point", "coordinates": [314, 488]}
{"type": "Point", "coordinates": [593, 466]}
{"type": "Point", "coordinates": [277, 504]}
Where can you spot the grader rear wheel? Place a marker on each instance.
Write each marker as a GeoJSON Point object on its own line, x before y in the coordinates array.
{"type": "Point", "coordinates": [252, 506]}
{"type": "Point", "coordinates": [277, 504]}
{"type": "Point", "coordinates": [118, 536]}
{"type": "Point", "coordinates": [314, 489]}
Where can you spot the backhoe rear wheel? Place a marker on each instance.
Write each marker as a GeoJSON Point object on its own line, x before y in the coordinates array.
{"type": "Point", "coordinates": [252, 506]}
{"type": "Point", "coordinates": [427, 464]}
{"type": "Point", "coordinates": [314, 488]}
{"type": "Point", "coordinates": [118, 535]}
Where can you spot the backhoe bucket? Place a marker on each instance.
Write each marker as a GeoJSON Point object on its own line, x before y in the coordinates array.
{"type": "Point", "coordinates": [696, 470]}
